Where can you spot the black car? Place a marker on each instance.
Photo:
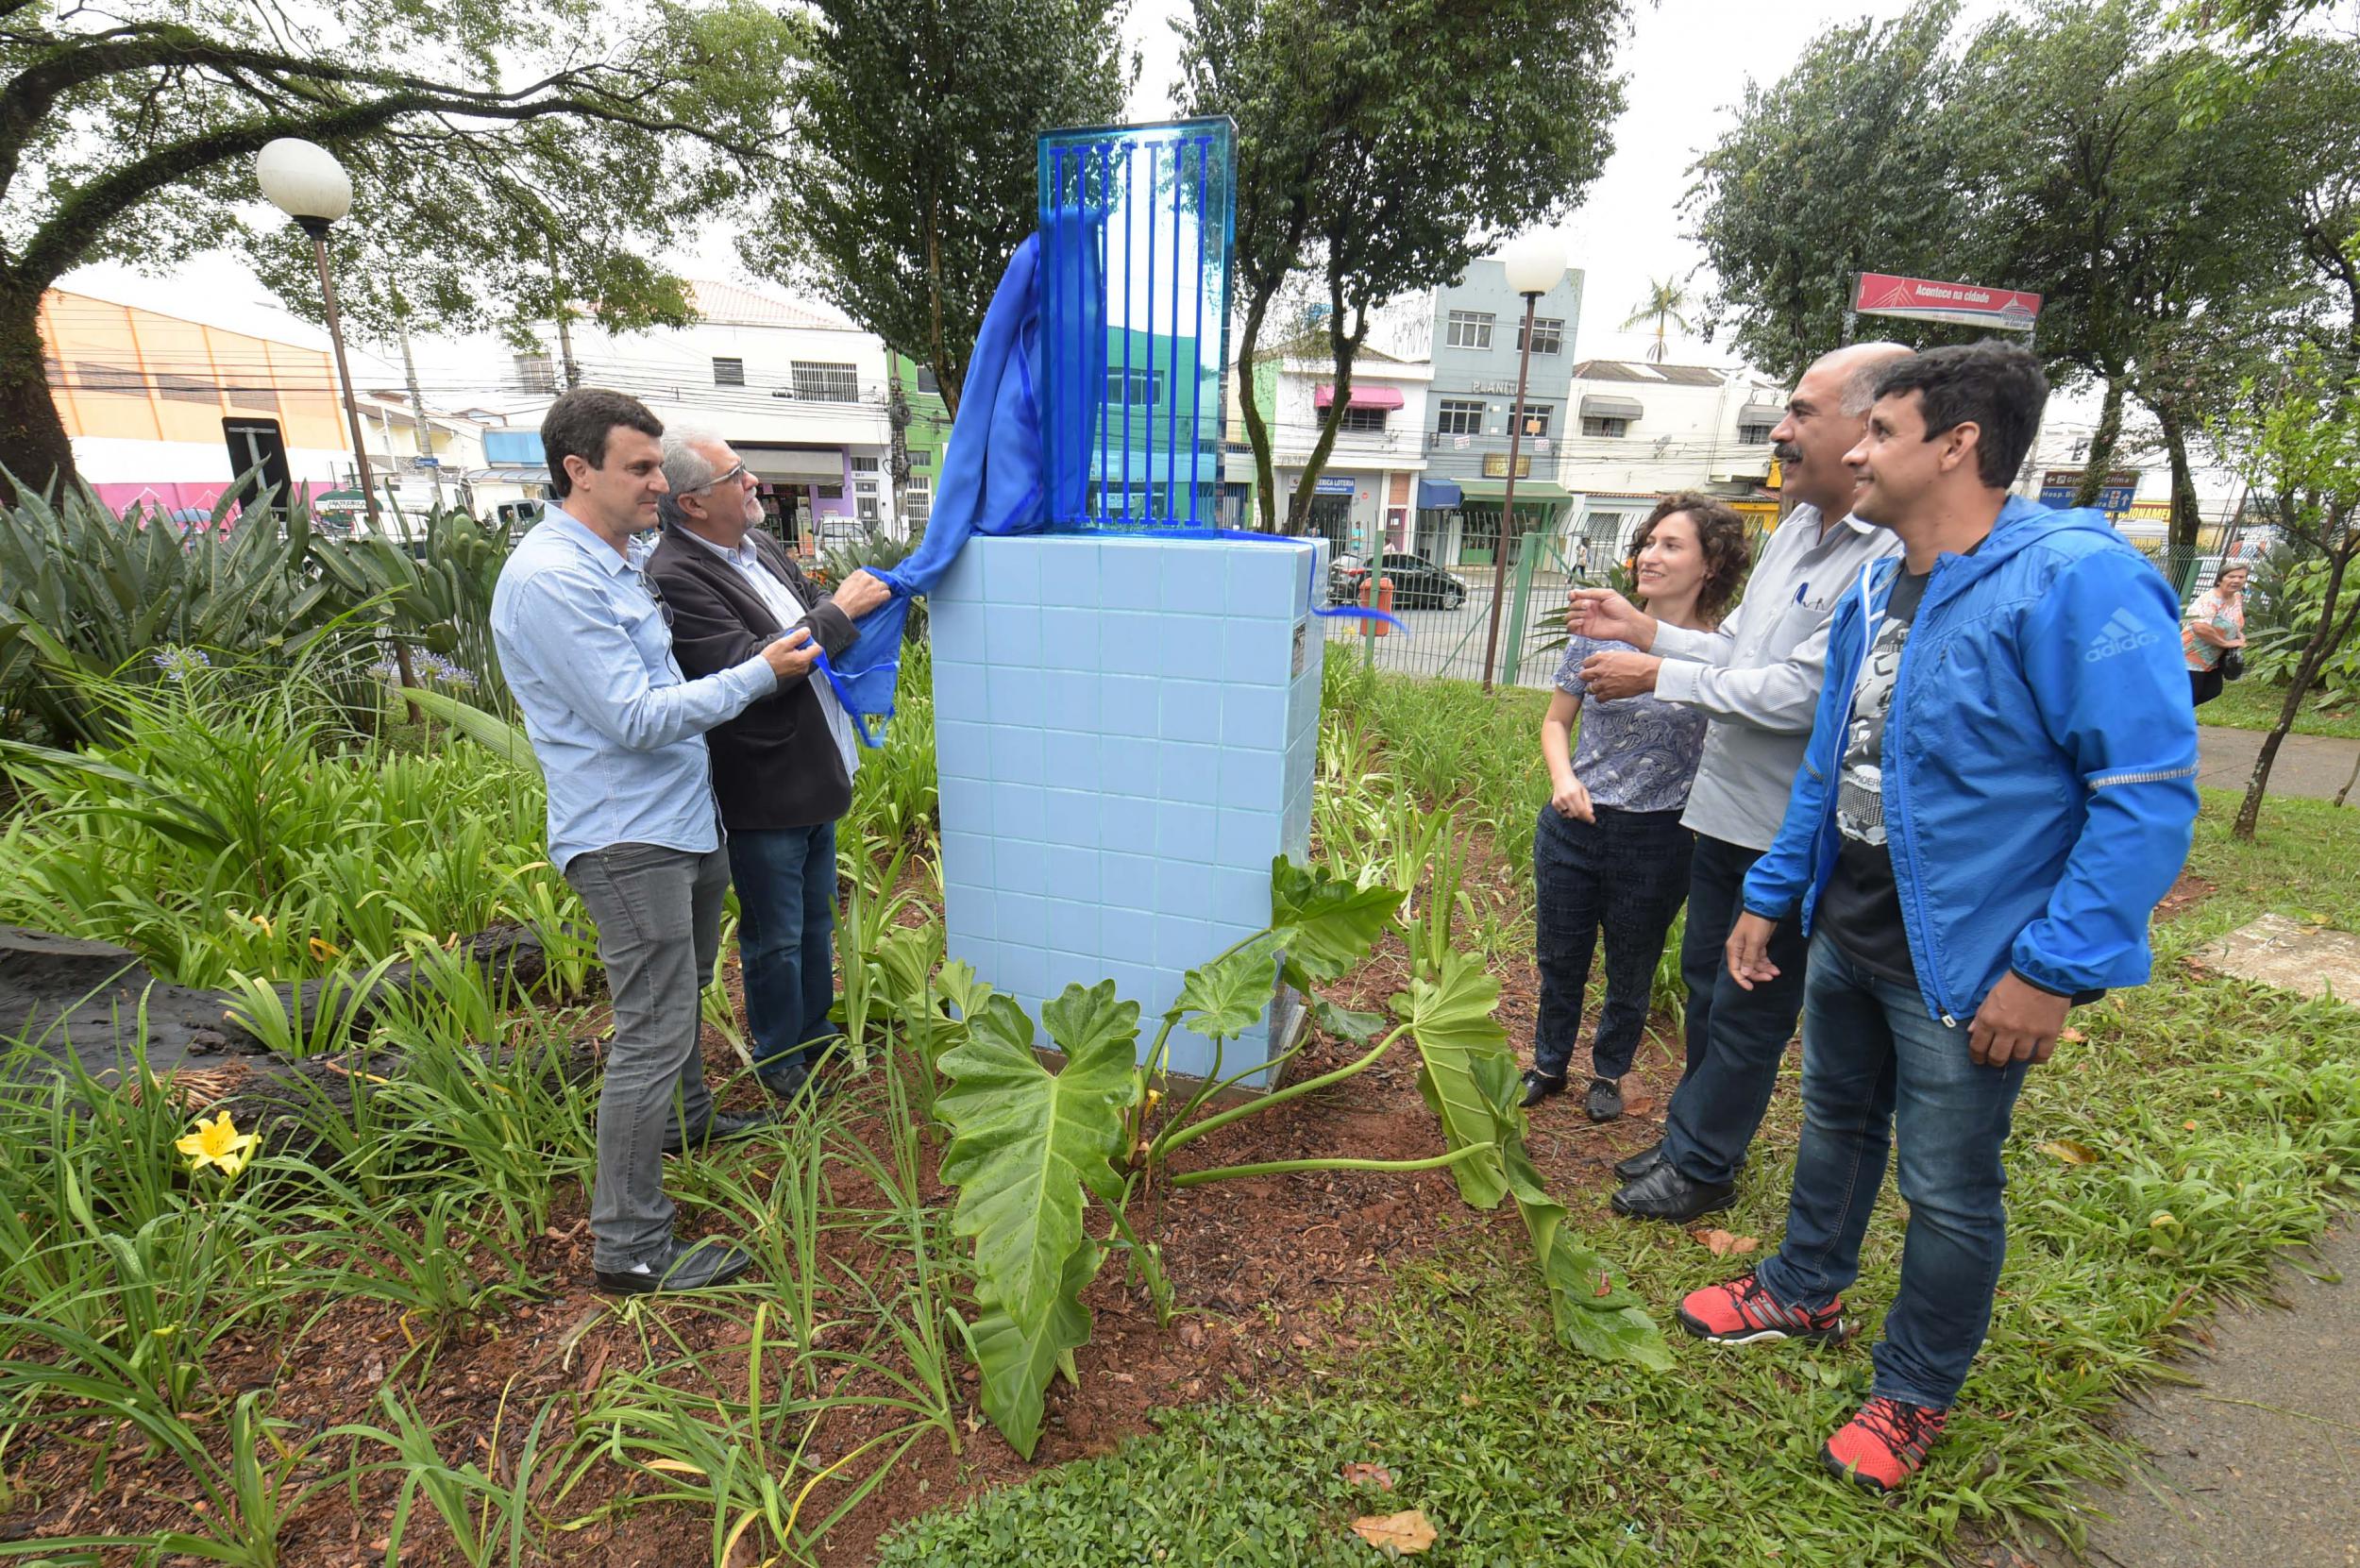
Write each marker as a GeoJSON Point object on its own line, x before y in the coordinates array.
{"type": "Point", "coordinates": [1418, 583]}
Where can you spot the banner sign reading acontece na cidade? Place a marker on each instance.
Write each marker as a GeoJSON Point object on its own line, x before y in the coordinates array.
{"type": "Point", "coordinates": [1880, 293]}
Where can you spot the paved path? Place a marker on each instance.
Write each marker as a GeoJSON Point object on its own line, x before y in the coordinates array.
{"type": "Point", "coordinates": [2315, 766]}
{"type": "Point", "coordinates": [2259, 1461]}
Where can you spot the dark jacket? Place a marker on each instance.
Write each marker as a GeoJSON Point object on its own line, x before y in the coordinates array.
{"type": "Point", "coordinates": [774, 765]}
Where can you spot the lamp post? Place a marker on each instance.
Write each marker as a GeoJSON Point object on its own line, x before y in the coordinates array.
{"type": "Point", "coordinates": [1534, 264]}
{"type": "Point", "coordinates": [304, 180]}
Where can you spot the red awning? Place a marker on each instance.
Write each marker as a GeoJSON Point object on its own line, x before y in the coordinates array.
{"type": "Point", "coordinates": [1362, 397]}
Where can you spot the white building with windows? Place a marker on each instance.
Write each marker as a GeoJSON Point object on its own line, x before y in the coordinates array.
{"type": "Point", "coordinates": [1366, 489]}
{"type": "Point", "coordinates": [1640, 430]}
{"type": "Point", "coordinates": [797, 390]}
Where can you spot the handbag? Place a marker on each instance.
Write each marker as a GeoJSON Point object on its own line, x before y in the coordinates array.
{"type": "Point", "coordinates": [2232, 664]}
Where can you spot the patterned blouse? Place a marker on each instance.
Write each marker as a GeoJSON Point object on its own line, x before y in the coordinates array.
{"type": "Point", "coordinates": [2210, 608]}
{"type": "Point", "coordinates": [1635, 754]}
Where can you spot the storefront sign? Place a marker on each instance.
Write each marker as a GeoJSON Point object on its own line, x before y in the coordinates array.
{"type": "Point", "coordinates": [1337, 485]}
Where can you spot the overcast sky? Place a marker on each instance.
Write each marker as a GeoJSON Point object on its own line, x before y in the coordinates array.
{"type": "Point", "coordinates": [1686, 61]}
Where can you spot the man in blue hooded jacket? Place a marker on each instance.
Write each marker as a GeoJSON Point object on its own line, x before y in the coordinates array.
{"type": "Point", "coordinates": [2000, 787]}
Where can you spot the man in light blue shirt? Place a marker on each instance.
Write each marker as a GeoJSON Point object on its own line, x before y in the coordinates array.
{"type": "Point", "coordinates": [619, 732]}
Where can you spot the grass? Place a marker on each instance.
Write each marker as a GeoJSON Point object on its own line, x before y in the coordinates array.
{"type": "Point", "coordinates": [2253, 706]}
{"type": "Point", "coordinates": [2224, 1117]}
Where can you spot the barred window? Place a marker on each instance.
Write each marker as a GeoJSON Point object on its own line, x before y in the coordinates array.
{"type": "Point", "coordinates": [827, 383]}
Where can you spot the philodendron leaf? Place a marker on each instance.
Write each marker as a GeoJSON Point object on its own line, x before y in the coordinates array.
{"type": "Point", "coordinates": [1018, 1361]}
{"type": "Point", "coordinates": [959, 987]}
{"type": "Point", "coordinates": [1329, 924]}
{"type": "Point", "coordinates": [1026, 1142]}
{"type": "Point", "coordinates": [1592, 1313]}
{"type": "Point", "coordinates": [1222, 1000]}
{"type": "Point", "coordinates": [1450, 1018]}
{"type": "Point", "coordinates": [906, 957]}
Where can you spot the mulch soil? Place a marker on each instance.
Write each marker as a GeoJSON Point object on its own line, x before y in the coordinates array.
{"type": "Point", "coordinates": [1267, 1273]}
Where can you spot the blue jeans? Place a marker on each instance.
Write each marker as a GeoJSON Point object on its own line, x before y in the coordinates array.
{"type": "Point", "coordinates": [1876, 1065]}
{"type": "Point", "coordinates": [1735, 1037]}
{"type": "Point", "coordinates": [785, 881]}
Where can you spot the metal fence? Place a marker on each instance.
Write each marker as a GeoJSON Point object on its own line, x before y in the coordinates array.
{"type": "Point", "coordinates": [1446, 616]}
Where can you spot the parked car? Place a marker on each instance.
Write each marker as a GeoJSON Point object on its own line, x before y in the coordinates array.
{"type": "Point", "coordinates": [1418, 583]}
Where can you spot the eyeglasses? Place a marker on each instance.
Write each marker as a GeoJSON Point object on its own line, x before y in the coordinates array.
{"type": "Point", "coordinates": [729, 478]}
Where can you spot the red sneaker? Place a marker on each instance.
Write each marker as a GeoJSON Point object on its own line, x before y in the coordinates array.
{"type": "Point", "coordinates": [1742, 1312]}
{"type": "Point", "coordinates": [1885, 1445]}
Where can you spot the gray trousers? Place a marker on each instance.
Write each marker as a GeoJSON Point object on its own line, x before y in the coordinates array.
{"type": "Point", "coordinates": [659, 916]}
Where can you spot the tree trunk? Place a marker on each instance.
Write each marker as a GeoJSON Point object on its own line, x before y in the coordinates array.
{"type": "Point", "coordinates": [2325, 639]}
{"type": "Point", "coordinates": [938, 353]}
{"type": "Point", "coordinates": [1256, 428]}
{"type": "Point", "coordinates": [2180, 545]}
{"type": "Point", "coordinates": [33, 445]}
{"type": "Point", "coordinates": [2102, 444]}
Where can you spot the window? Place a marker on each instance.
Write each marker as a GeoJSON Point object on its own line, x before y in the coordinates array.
{"type": "Point", "coordinates": [927, 382]}
{"type": "Point", "coordinates": [187, 388]}
{"type": "Point", "coordinates": [728, 372]}
{"type": "Point", "coordinates": [1548, 335]}
{"type": "Point", "coordinates": [1140, 387]}
{"type": "Point", "coordinates": [866, 465]}
{"type": "Point", "coordinates": [865, 508]}
{"type": "Point", "coordinates": [827, 383]}
{"type": "Point", "coordinates": [917, 507]}
{"type": "Point", "coordinates": [1593, 425]}
{"type": "Point", "coordinates": [1537, 417]}
{"type": "Point", "coordinates": [864, 485]}
{"type": "Point", "coordinates": [535, 373]}
{"type": "Point", "coordinates": [919, 485]}
{"type": "Point", "coordinates": [1470, 329]}
{"type": "Point", "coordinates": [1460, 417]}
{"type": "Point", "coordinates": [1754, 435]}
{"type": "Point", "coordinates": [922, 456]}
{"type": "Point", "coordinates": [829, 491]}
{"type": "Point", "coordinates": [1365, 420]}
{"type": "Point", "coordinates": [521, 448]}
{"type": "Point", "coordinates": [108, 378]}
{"type": "Point", "coordinates": [1496, 465]}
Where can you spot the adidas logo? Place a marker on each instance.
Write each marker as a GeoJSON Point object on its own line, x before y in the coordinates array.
{"type": "Point", "coordinates": [2120, 635]}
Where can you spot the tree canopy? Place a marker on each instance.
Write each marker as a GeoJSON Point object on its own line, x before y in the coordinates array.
{"type": "Point", "coordinates": [910, 180]}
{"type": "Point", "coordinates": [466, 124]}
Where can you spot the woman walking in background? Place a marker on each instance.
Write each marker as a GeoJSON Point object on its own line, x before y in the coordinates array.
{"type": "Point", "coordinates": [1609, 857]}
{"type": "Point", "coordinates": [2212, 627]}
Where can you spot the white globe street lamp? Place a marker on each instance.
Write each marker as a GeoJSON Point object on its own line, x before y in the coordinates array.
{"type": "Point", "coordinates": [304, 180]}
{"type": "Point", "coordinates": [1535, 265]}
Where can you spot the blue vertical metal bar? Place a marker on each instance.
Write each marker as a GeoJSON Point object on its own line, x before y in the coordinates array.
{"type": "Point", "coordinates": [1099, 234]}
{"type": "Point", "coordinates": [1171, 401]}
{"type": "Point", "coordinates": [1051, 229]}
{"type": "Point", "coordinates": [1196, 412]}
{"type": "Point", "coordinates": [1127, 150]}
{"type": "Point", "coordinates": [1148, 419]}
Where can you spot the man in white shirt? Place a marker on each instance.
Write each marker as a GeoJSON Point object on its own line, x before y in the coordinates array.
{"type": "Point", "coordinates": [1757, 676]}
{"type": "Point", "coordinates": [783, 769]}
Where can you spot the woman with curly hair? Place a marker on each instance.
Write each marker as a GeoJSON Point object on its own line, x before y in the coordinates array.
{"type": "Point", "coordinates": [1610, 858]}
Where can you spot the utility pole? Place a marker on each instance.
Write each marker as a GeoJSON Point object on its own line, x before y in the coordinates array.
{"type": "Point", "coordinates": [417, 411]}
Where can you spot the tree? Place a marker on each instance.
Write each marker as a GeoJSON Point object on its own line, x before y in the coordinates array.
{"type": "Point", "coordinates": [1362, 162]}
{"type": "Point", "coordinates": [1843, 166]}
{"type": "Point", "coordinates": [2299, 440]}
{"type": "Point", "coordinates": [912, 177]}
{"type": "Point", "coordinates": [1667, 299]}
{"type": "Point", "coordinates": [127, 134]}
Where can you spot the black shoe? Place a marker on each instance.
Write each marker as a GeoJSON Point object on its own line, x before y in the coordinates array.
{"type": "Point", "coordinates": [1641, 1163]}
{"type": "Point", "coordinates": [720, 1127]}
{"type": "Point", "coordinates": [1538, 1086]}
{"type": "Point", "coordinates": [1663, 1193]}
{"type": "Point", "coordinates": [699, 1265]}
{"type": "Point", "coordinates": [795, 1084]}
{"type": "Point", "coordinates": [1604, 1101]}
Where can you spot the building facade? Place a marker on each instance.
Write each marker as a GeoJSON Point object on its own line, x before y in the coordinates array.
{"type": "Point", "coordinates": [1642, 431]}
{"type": "Point", "coordinates": [1366, 489]}
{"type": "Point", "coordinates": [1476, 332]}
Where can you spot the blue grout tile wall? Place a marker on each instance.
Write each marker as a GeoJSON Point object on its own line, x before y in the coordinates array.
{"type": "Point", "coordinates": [1125, 731]}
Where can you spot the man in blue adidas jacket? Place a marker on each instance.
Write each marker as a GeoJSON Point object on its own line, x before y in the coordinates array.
{"type": "Point", "coordinates": [2000, 787]}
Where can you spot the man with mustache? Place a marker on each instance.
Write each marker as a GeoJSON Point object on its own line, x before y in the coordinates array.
{"type": "Point", "coordinates": [1756, 676]}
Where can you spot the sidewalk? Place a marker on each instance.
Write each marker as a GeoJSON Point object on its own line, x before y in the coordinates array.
{"type": "Point", "coordinates": [2312, 767]}
{"type": "Point", "coordinates": [2259, 1460]}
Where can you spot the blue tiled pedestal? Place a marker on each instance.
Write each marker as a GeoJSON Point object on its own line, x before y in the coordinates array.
{"type": "Point", "coordinates": [1125, 731]}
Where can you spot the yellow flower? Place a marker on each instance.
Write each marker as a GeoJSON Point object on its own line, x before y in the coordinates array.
{"type": "Point", "coordinates": [219, 1143]}
{"type": "Point", "coordinates": [269, 930]}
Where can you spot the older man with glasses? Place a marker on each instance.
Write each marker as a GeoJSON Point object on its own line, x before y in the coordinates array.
{"type": "Point", "coordinates": [783, 769]}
